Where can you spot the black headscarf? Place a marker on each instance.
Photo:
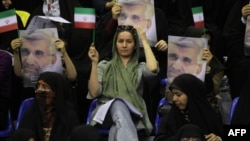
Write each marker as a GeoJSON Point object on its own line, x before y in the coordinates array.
{"type": "Point", "coordinates": [86, 133]}
{"type": "Point", "coordinates": [198, 110]}
{"type": "Point", "coordinates": [190, 130]}
{"type": "Point", "coordinates": [65, 116]}
{"type": "Point", "coordinates": [21, 134]}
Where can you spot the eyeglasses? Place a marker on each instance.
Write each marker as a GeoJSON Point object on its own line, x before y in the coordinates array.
{"type": "Point", "coordinates": [37, 53]}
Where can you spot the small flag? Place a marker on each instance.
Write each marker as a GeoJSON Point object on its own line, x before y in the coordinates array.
{"type": "Point", "coordinates": [85, 18]}
{"type": "Point", "coordinates": [198, 16]}
{"type": "Point", "coordinates": [8, 21]}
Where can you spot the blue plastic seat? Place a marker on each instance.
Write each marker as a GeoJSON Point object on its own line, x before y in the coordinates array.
{"type": "Point", "coordinates": [233, 105]}
{"type": "Point", "coordinates": [9, 129]}
{"type": "Point", "coordinates": [92, 106]}
{"type": "Point", "coordinates": [158, 118]}
{"type": "Point", "coordinates": [22, 109]}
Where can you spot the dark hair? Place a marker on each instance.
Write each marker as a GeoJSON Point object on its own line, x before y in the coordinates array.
{"type": "Point", "coordinates": [85, 132]}
{"type": "Point", "coordinates": [128, 28]}
{"type": "Point", "coordinates": [198, 32]}
{"type": "Point", "coordinates": [190, 131]}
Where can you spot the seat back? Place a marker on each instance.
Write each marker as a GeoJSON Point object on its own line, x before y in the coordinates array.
{"type": "Point", "coordinates": [22, 109]}
{"type": "Point", "coordinates": [9, 129]}
{"type": "Point", "coordinates": [92, 106]}
{"type": "Point", "coordinates": [163, 102]}
{"type": "Point", "coordinates": [233, 105]}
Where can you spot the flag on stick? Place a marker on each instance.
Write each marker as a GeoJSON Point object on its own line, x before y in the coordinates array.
{"type": "Point", "coordinates": [198, 16]}
{"type": "Point", "coordinates": [85, 18]}
{"type": "Point", "coordinates": [8, 21]}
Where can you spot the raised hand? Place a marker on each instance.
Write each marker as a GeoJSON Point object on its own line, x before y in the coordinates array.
{"type": "Point", "coordinates": [93, 54]}
{"type": "Point", "coordinates": [16, 44]}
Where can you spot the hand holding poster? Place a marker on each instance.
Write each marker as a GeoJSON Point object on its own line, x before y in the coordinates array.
{"type": "Point", "coordinates": [139, 13]}
{"type": "Point", "coordinates": [39, 54]}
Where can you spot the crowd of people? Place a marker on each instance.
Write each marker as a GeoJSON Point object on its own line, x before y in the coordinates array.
{"type": "Point", "coordinates": [136, 44]}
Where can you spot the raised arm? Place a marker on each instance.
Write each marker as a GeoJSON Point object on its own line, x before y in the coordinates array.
{"type": "Point", "coordinates": [245, 11]}
{"type": "Point", "coordinates": [93, 84]}
{"type": "Point", "coordinates": [69, 66]}
{"type": "Point", "coordinates": [16, 44]}
{"type": "Point", "coordinates": [149, 55]}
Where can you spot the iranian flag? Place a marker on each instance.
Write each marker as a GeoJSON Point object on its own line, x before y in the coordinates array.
{"type": "Point", "coordinates": [84, 18]}
{"type": "Point", "coordinates": [8, 21]}
{"type": "Point", "coordinates": [198, 16]}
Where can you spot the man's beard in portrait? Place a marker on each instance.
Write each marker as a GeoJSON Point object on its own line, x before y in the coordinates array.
{"type": "Point", "coordinates": [201, 74]}
{"type": "Point", "coordinates": [56, 67]}
{"type": "Point", "coordinates": [30, 75]}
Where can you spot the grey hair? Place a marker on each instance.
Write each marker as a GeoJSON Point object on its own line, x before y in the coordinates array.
{"type": "Point", "coordinates": [40, 34]}
{"type": "Point", "coordinates": [198, 43]}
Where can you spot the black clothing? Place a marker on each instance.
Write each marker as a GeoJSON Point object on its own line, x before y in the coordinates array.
{"type": "Point", "coordinates": [237, 65]}
{"type": "Point", "coordinates": [198, 110]}
{"type": "Point", "coordinates": [65, 115]}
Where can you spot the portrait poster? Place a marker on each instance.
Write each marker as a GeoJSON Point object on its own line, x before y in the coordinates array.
{"type": "Point", "coordinates": [39, 54]}
{"type": "Point", "coordinates": [139, 13]}
{"type": "Point", "coordinates": [185, 56]}
{"type": "Point", "coordinates": [247, 38]}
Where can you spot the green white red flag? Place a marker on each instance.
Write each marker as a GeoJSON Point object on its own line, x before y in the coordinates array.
{"type": "Point", "coordinates": [8, 21]}
{"type": "Point", "coordinates": [85, 18]}
{"type": "Point", "coordinates": [198, 16]}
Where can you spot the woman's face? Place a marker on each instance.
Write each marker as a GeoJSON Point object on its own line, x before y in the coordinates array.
{"type": "Point", "coordinates": [44, 92]}
{"type": "Point", "coordinates": [180, 99]}
{"type": "Point", "coordinates": [125, 44]}
{"type": "Point", "coordinates": [6, 3]}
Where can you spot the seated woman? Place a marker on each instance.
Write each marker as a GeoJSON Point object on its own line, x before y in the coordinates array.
{"type": "Point", "coordinates": [52, 116]}
{"type": "Point", "coordinates": [122, 77]}
{"type": "Point", "coordinates": [190, 105]}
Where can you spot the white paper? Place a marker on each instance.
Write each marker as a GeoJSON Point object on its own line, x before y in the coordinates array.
{"type": "Point", "coordinates": [56, 19]}
{"type": "Point", "coordinates": [102, 111]}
